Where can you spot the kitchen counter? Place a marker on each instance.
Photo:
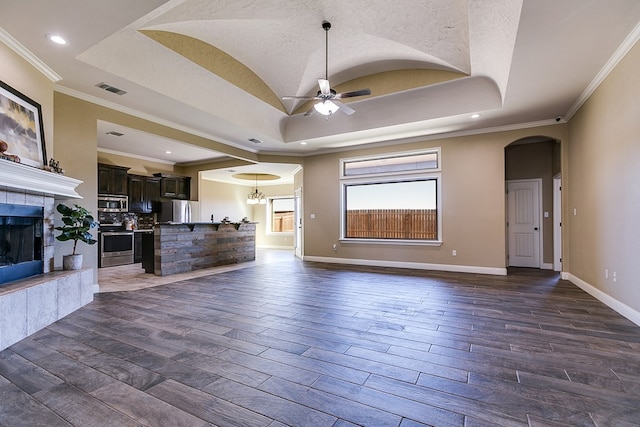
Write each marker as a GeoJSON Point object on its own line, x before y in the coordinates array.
{"type": "Point", "coordinates": [178, 248]}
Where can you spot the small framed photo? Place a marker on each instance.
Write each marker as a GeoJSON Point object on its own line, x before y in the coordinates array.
{"type": "Point", "coordinates": [21, 127]}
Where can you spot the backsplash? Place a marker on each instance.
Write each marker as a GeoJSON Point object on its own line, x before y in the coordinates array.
{"type": "Point", "coordinates": [141, 221]}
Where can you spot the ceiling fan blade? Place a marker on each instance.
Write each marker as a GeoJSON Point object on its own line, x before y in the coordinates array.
{"type": "Point", "coordinates": [355, 93]}
{"type": "Point", "coordinates": [325, 88]}
{"type": "Point", "coordinates": [300, 97]}
{"type": "Point", "coordinates": [344, 108]}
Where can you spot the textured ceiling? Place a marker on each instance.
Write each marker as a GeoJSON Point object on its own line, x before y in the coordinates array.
{"type": "Point", "coordinates": [219, 69]}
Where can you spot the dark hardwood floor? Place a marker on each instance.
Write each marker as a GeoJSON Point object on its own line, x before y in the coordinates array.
{"type": "Point", "coordinates": [303, 344]}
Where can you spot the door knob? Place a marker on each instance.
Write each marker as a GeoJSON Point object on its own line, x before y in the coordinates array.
{"type": "Point", "coordinates": [535, 228]}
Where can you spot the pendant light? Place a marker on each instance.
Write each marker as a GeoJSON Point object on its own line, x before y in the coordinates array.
{"type": "Point", "coordinates": [256, 197]}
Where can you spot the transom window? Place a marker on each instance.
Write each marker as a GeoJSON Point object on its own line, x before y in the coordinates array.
{"type": "Point", "coordinates": [394, 198]}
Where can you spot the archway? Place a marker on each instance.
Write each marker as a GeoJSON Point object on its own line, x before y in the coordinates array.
{"type": "Point", "coordinates": [532, 166]}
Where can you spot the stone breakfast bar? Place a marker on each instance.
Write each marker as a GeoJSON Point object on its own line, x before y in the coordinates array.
{"type": "Point", "coordinates": [178, 248]}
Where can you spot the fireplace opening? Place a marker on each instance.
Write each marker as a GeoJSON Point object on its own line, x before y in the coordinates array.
{"type": "Point", "coordinates": [21, 241]}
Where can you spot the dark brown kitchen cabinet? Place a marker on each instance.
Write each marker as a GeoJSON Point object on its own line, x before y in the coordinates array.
{"type": "Point", "coordinates": [152, 191]}
{"type": "Point", "coordinates": [174, 186]}
{"type": "Point", "coordinates": [144, 192]}
{"type": "Point", "coordinates": [138, 248]}
{"type": "Point", "coordinates": [112, 179]}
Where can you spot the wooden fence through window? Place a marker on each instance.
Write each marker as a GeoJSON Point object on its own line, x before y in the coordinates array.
{"type": "Point", "coordinates": [283, 221]}
{"type": "Point", "coordinates": [408, 224]}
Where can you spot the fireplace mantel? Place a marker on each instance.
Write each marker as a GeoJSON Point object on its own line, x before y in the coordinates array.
{"type": "Point", "coordinates": [16, 176]}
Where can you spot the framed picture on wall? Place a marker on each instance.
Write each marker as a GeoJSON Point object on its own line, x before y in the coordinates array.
{"type": "Point", "coordinates": [21, 126]}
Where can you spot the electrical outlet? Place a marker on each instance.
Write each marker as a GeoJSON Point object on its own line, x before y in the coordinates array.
{"type": "Point", "coordinates": [335, 247]}
{"type": "Point", "coordinates": [454, 253]}
{"type": "Point", "coordinates": [606, 273]}
{"type": "Point", "coordinates": [614, 277]}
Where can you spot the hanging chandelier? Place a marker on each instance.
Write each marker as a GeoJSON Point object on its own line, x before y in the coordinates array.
{"type": "Point", "coordinates": [256, 197]}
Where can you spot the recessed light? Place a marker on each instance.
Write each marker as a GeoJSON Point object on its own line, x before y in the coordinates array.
{"type": "Point", "coordinates": [303, 143]}
{"type": "Point", "coordinates": [475, 116]}
{"type": "Point", "coordinates": [56, 39]}
{"type": "Point", "coordinates": [167, 152]}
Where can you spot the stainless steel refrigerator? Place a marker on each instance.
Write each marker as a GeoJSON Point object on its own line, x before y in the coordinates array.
{"type": "Point", "coordinates": [179, 211]}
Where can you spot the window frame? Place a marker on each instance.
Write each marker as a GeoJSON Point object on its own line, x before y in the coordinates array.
{"type": "Point", "coordinates": [426, 174]}
{"type": "Point", "coordinates": [435, 150]}
{"type": "Point", "coordinates": [269, 208]}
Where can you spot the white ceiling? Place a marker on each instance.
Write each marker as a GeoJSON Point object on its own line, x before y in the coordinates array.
{"type": "Point", "coordinates": [524, 63]}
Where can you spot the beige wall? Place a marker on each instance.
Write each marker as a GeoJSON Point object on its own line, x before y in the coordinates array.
{"type": "Point", "coordinates": [221, 199]}
{"type": "Point", "coordinates": [604, 172]}
{"type": "Point", "coordinates": [75, 149]}
{"type": "Point", "coordinates": [473, 203]}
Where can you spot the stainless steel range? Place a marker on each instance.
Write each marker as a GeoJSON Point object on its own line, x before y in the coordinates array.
{"type": "Point", "coordinates": [116, 245]}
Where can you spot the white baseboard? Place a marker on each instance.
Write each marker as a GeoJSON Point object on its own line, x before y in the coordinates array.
{"type": "Point", "coordinates": [546, 266]}
{"type": "Point", "coordinates": [274, 247]}
{"type": "Point", "coordinates": [412, 265]}
{"type": "Point", "coordinates": [606, 299]}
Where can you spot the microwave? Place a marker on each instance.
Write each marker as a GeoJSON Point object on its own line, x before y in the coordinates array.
{"type": "Point", "coordinates": [112, 203]}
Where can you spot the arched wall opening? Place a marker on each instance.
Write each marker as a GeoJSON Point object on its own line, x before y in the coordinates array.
{"type": "Point", "coordinates": [533, 169]}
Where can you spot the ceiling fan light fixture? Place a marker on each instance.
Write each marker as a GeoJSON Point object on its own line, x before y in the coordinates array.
{"type": "Point", "coordinates": [326, 107]}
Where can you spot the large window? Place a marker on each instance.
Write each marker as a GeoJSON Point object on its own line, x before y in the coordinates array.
{"type": "Point", "coordinates": [392, 198]}
{"type": "Point", "coordinates": [281, 212]}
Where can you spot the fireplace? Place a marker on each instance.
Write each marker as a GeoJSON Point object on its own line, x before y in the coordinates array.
{"type": "Point", "coordinates": [21, 241]}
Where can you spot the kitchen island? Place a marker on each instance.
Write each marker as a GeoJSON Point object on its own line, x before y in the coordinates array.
{"type": "Point", "coordinates": [179, 248]}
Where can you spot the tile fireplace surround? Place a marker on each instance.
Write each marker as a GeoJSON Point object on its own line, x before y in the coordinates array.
{"type": "Point", "coordinates": [30, 304]}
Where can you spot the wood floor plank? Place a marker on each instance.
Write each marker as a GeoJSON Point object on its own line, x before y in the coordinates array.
{"type": "Point", "coordinates": [82, 409]}
{"type": "Point", "coordinates": [172, 369]}
{"type": "Point", "coordinates": [407, 407]}
{"type": "Point", "coordinates": [28, 376]}
{"type": "Point", "coordinates": [18, 408]}
{"type": "Point", "coordinates": [282, 410]}
{"type": "Point", "coordinates": [354, 375]}
{"type": "Point", "coordinates": [344, 409]}
{"type": "Point", "coordinates": [223, 368]}
{"type": "Point", "coordinates": [207, 407]}
{"type": "Point", "coordinates": [270, 367]}
{"type": "Point", "coordinates": [144, 408]}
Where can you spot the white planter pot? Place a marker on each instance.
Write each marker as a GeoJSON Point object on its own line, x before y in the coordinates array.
{"type": "Point", "coordinates": [72, 262]}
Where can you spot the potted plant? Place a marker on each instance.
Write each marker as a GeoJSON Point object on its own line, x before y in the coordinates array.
{"type": "Point", "coordinates": [77, 223]}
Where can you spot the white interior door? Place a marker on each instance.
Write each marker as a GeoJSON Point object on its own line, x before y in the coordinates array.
{"type": "Point", "coordinates": [523, 207]}
{"type": "Point", "coordinates": [557, 223]}
{"type": "Point", "coordinates": [298, 224]}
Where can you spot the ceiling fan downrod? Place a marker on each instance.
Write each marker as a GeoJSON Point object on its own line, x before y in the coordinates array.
{"type": "Point", "coordinates": [326, 26]}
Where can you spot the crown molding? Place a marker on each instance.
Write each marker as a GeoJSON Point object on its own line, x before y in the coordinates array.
{"type": "Point", "coordinates": [18, 48]}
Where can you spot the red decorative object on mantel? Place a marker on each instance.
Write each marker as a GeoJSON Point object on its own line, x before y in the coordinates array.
{"type": "Point", "coordinates": [3, 147]}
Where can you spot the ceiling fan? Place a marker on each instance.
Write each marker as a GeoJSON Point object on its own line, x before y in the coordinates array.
{"type": "Point", "coordinates": [329, 100]}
